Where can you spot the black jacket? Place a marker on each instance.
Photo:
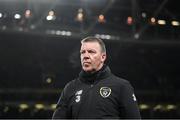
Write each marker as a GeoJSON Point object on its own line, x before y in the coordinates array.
{"type": "Point", "coordinates": [97, 95]}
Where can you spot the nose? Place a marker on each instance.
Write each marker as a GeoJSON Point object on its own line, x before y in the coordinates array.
{"type": "Point", "coordinates": [86, 55]}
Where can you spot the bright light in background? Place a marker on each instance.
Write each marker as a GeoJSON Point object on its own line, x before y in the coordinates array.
{"type": "Point", "coordinates": [63, 33]}
{"type": "Point", "coordinates": [80, 10]}
{"type": "Point", "coordinates": [144, 15]}
{"type": "Point", "coordinates": [175, 23]}
{"type": "Point", "coordinates": [170, 107]}
{"type": "Point", "coordinates": [153, 20]}
{"type": "Point", "coordinates": [23, 106]}
{"type": "Point", "coordinates": [144, 106]}
{"type": "Point", "coordinates": [103, 36]}
{"type": "Point", "coordinates": [27, 13]}
{"type": "Point", "coordinates": [59, 32]}
{"type": "Point", "coordinates": [101, 19]}
{"type": "Point", "coordinates": [129, 20]}
{"type": "Point", "coordinates": [51, 16]}
{"type": "Point", "coordinates": [17, 16]}
{"type": "Point", "coordinates": [68, 33]}
{"type": "Point", "coordinates": [158, 107]}
{"type": "Point", "coordinates": [107, 37]}
{"type": "Point", "coordinates": [80, 15]}
{"type": "Point", "coordinates": [51, 13]}
{"type": "Point", "coordinates": [39, 106]}
{"type": "Point", "coordinates": [161, 22]}
{"type": "Point", "coordinates": [136, 35]}
{"type": "Point", "coordinates": [51, 32]}
{"type": "Point", "coordinates": [49, 80]}
{"type": "Point", "coordinates": [53, 106]}
{"type": "Point", "coordinates": [1, 15]}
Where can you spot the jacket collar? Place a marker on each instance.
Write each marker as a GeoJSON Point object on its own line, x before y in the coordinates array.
{"type": "Point", "coordinates": [91, 78]}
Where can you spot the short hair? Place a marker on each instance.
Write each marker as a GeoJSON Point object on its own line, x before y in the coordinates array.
{"type": "Point", "coordinates": [95, 39]}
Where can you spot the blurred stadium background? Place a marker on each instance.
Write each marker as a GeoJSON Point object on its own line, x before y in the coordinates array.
{"type": "Point", "coordinates": [39, 51]}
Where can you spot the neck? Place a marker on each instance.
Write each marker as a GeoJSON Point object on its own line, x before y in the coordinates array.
{"type": "Point", "coordinates": [96, 76]}
{"type": "Point", "coordinates": [100, 66]}
{"type": "Point", "coordinates": [96, 70]}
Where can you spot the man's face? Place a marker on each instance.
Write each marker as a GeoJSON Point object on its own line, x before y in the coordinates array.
{"type": "Point", "coordinates": [92, 58]}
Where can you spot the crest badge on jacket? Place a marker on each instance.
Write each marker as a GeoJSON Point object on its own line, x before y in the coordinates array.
{"type": "Point", "coordinates": [105, 92]}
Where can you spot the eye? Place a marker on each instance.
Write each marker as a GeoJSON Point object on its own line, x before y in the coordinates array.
{"type": "Point", "coordinates": [82, 52]}
{"type": "Point", "coordinates": [91, 51]}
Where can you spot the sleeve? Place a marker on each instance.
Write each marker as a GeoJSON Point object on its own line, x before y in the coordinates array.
{"type": "Point", "coordinates": [129, 103]}
{"type": "Point", "coordinates": [62, 110]}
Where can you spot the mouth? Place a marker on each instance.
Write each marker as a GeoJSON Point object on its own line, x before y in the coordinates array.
{"type": "Point", "coordinates": [86, 63]}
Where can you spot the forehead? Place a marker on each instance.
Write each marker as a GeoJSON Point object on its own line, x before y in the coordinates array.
{"type": "Point", "coordinates": [90, 45]}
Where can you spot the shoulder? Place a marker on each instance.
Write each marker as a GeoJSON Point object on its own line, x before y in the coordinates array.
{"type": "Point", "coordinates": [120, 81]}
{"type": "Point", "coordinates": [126, 90]}
{"type": "Point", "coordinates": [125, 87]}
{"type": "Point", "coordinates": [70, 85]}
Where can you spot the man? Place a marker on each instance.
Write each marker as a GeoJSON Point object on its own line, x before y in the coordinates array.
{"type": "Point", "coordinates": [96, 93]}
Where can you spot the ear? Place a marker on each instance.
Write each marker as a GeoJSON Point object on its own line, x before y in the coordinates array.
{"type": "Point", "coordinates": [103, 57]}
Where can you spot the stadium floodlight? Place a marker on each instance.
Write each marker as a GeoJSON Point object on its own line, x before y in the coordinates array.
{"type": "Point", "coordinates": [17, 16]}
{"type": "Point", "coordinates": [175, 23]}
{"type": "Point", "coordinates": [161, 22]}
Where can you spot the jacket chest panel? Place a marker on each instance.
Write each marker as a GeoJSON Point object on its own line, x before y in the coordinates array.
{"type": "Point", "coordinates": [93, 98]}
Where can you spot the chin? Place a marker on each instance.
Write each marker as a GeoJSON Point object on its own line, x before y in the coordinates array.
{"type": "Point", "coordinates": [87, 69]}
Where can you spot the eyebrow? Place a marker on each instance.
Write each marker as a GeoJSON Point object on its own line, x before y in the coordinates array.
{"type": "Point", "coordinates": [88, 50]}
